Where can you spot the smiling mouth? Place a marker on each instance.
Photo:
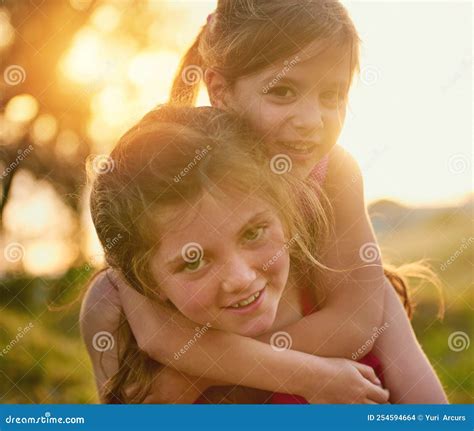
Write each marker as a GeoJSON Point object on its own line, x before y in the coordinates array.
{"type": "Point", "coordinates": [247, 301]}
{"type": "Point", "coordinates": [301, 147]}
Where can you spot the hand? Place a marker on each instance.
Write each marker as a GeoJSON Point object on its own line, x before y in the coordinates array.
{"type": "Point", "coordinates": [342, 381]}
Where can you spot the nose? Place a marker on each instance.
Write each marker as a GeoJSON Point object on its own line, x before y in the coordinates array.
{"type": "Point", "coordinates": [237, 275]}
{"type": "Point", "coordinates": [308, 118]}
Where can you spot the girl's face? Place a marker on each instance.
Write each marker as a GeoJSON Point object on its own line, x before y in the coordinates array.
{"type": "Point", "coordinates": [298, 105]}
{"type": "Point", "coordinates": [215, 254]}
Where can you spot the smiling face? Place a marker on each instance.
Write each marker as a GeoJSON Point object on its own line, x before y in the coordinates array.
{"type": "Point", "coordinates": [216, 255]}
{"type": "Point", "coordinates": [298, 105]}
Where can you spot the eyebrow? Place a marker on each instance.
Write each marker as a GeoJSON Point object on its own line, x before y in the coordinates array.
{"type": "Point", "coordinates": [343, 82]}
{"type": "Point", "coordinates": [178, 259]}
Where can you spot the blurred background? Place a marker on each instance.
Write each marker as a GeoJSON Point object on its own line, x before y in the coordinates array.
{"type": "Point", "coordinates": [75, 74]}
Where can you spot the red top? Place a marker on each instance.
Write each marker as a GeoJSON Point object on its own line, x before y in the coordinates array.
{"type": "Point", "coordinates": [309, 307]}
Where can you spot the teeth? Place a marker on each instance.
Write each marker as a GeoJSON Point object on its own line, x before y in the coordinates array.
{"type": "Point", "coordinates": [247, 301]}
{"type": "Point", "coordinates": [297, 146]}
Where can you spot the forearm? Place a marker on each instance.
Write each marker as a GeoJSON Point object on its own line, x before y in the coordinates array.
{"type": "Point", "coordinates": [340, 328]}
{"type": "Point", "coordinates": [408, 374]}
{"type": "Point", "coordinates": [237, 360]}
{"type": "Point", "coordinates": [216, 355]}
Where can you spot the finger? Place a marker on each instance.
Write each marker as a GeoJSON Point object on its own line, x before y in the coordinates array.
{"type": "Point", "coordinates": [369, 374]}
{"type": "Point", "coordinates": [377, 394]}
{"type": "Point", "coordinates": [116, 279]}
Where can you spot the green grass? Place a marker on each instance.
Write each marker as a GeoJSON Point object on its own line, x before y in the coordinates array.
{"type": "Point", "coordinates": [49, 364]}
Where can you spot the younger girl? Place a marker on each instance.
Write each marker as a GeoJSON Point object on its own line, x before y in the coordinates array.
{"type": "Point", "coordinates": [227, 231]}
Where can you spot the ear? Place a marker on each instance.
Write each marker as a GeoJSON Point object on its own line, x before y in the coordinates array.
{"type": "Point", "coordinates": [217, 87]}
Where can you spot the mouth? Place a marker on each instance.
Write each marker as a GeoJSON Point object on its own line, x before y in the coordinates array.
{"type": "Point", "coordinates": [299, 147]}
{"type": "Point", "coordinates": [248, 304]}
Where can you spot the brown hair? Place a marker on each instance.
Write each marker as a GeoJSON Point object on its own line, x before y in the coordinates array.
{"type": "Point", "coordinates": [155, 165]}
{"type": "Point", "coordinates": [244, 36]}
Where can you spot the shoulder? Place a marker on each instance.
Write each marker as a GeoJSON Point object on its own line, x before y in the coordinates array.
{"type": "Point", "coordinates": [101, 307]}
{"type": "Point", "coordinates": [343, 165]}
{"type": "Point", "coordinates": [344, 183]}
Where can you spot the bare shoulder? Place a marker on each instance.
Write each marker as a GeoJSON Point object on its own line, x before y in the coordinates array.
{"type": "Point", "coordinates": [343, 166]}
{"type": "Point", "coordinates": [101, 307]}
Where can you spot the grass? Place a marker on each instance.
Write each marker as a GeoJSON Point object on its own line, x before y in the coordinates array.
{"type": "Point", "coordinates": [49, 364]}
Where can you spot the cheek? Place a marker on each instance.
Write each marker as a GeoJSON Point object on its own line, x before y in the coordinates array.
{"type": "Point", "coordinates": [192, 299]}
{"type": "Point", "coordinates": [334, 120]}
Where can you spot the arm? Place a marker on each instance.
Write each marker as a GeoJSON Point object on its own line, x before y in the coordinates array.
{"type": "Point", "coordinates": [354, 297]}
{"type": "Point", "coordinates": [407, 372]}
{"type": "Point", "coordinates": [100, 311]}
{"type": "Point", "coordinates": [239, 360]}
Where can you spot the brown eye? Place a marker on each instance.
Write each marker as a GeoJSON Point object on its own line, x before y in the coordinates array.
{"type": "Point", "coordinates": [282, 92]}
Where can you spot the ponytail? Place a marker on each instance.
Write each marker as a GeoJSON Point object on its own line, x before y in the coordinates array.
{"type": "Point", "coordinates": [189, 75]}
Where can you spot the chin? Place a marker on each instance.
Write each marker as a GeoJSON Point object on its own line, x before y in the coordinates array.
{"type": "Point", "coordinates": [259, 326]}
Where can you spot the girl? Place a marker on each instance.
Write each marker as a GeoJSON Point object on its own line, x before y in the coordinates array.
{"type": "Point", "coordinates": [237, 217]}
{"type": "Point", "coordinates": [286, 66]}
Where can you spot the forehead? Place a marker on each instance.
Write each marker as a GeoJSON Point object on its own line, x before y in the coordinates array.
{"type": "Point", "coordinates": [317, 62]}
{"type": "Point", "coordinates": [210, 218]}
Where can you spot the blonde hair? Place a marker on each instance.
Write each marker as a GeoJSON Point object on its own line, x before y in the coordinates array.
{"type": "Point", "coordinates": [145, 177]}
{"type": "Point", "coordinates": [244, 36]}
